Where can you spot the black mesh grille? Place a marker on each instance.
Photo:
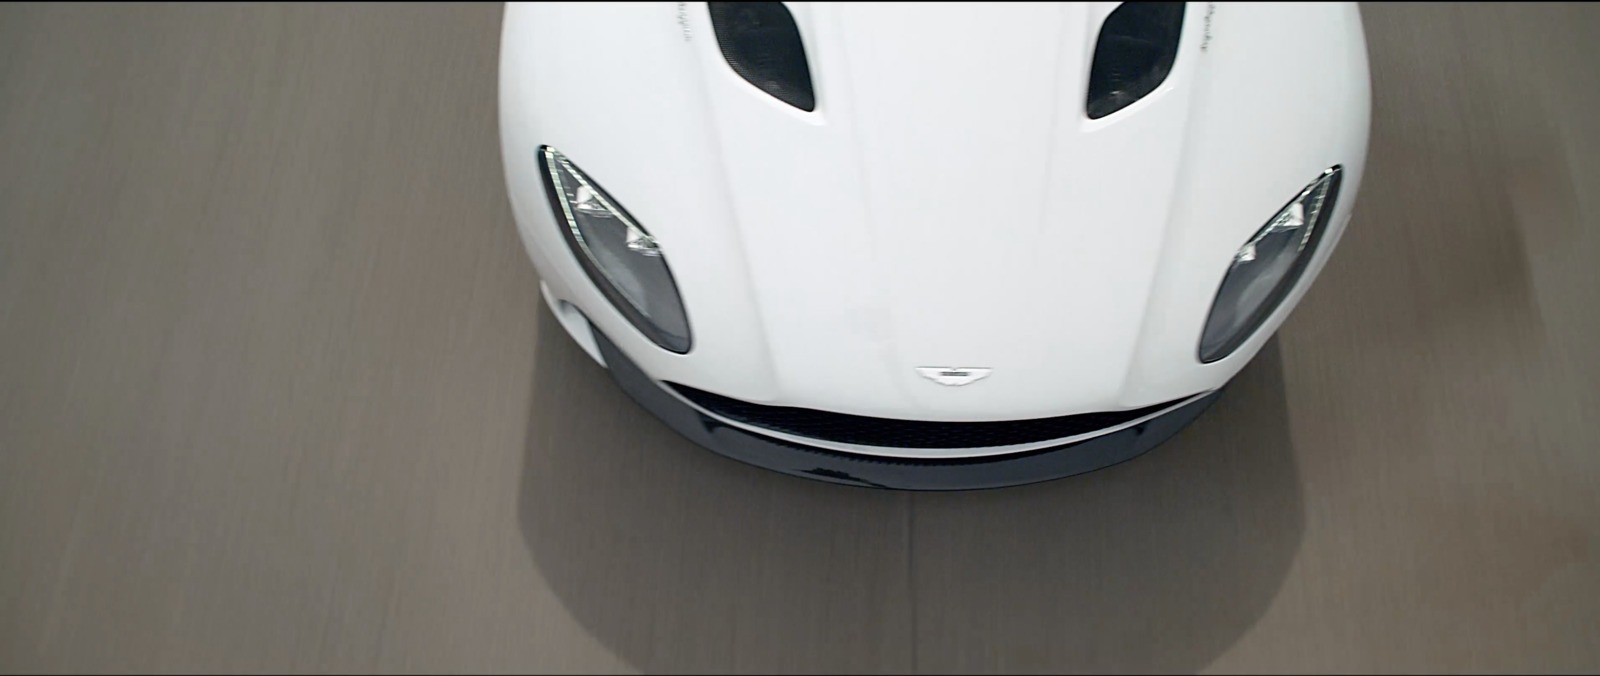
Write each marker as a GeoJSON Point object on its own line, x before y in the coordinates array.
{"type": "Point", "coordinates": [762, 43]}
{"type": "Point", "coordinates": [1137, 46]}
{"type": "Point", "coordinates": [867, 431]}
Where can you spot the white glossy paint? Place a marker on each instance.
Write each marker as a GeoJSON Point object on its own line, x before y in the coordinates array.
{"type": "Point", "coordinates": [947, 203]}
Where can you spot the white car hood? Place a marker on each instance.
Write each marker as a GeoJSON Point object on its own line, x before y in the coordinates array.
{"type": "Point", "coordinates": [955, 208]}
{"type": "Point", "coordinates": [947, 204]}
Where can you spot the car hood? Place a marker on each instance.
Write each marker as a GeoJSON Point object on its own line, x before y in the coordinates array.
{"type": "Point", "coordinates": [948, 203]}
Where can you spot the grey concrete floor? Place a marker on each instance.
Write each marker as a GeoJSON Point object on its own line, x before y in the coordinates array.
{"type": "Point", "coordinates": [277, 393]}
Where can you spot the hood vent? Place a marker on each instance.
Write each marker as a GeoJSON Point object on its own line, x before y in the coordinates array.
{"type": "Point", "coordinates": [1137, 45]}
{"type": "Point", "coordinates": [762, 44]}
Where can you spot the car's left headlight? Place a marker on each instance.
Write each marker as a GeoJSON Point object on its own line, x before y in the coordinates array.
{"type": "Point", "coordinates": [620, 257]}
{"type": "Point", "coordinates": [1266, 268]}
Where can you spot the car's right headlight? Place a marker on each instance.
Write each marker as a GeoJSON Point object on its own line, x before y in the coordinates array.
{"type": "Point", "coordinates": [620, 257]}
{"type": "Point", "coordinates": [1267, 267]}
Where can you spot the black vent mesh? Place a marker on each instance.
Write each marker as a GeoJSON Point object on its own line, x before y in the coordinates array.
{"type": "Point", "coordinates": [762, 43]}
{"type": "Point", "coordinates": [1137, 46]}
{"type": "Point", "coordinates": [867, 431]}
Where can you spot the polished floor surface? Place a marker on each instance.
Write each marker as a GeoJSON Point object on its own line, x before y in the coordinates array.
{"type": "Point", "coordinates": [277, 393]}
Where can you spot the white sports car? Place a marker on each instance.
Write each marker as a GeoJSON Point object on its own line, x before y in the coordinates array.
{"type": "Point", "coordinates": [930, 246]}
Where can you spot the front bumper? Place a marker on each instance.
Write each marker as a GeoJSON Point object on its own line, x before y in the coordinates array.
{"type": "Point", "coordinates": [993, 471]}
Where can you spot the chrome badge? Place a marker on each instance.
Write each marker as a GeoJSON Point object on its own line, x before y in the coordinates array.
{"type": "Point", "coordinates": [951, 375]}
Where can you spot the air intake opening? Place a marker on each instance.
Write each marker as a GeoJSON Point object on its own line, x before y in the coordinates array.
{"type": "Point", "coordinates": [1137, 45]}
{"type": "Point", "coordinates": [891, 433]}
{"type": "Point", "coordinates": [762, 43]}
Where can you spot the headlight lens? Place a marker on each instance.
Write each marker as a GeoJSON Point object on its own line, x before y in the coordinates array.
{"type": "Point", "coordinates": [620, 257]}
{"type": "Point", "coordinates": [1267, 267]}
